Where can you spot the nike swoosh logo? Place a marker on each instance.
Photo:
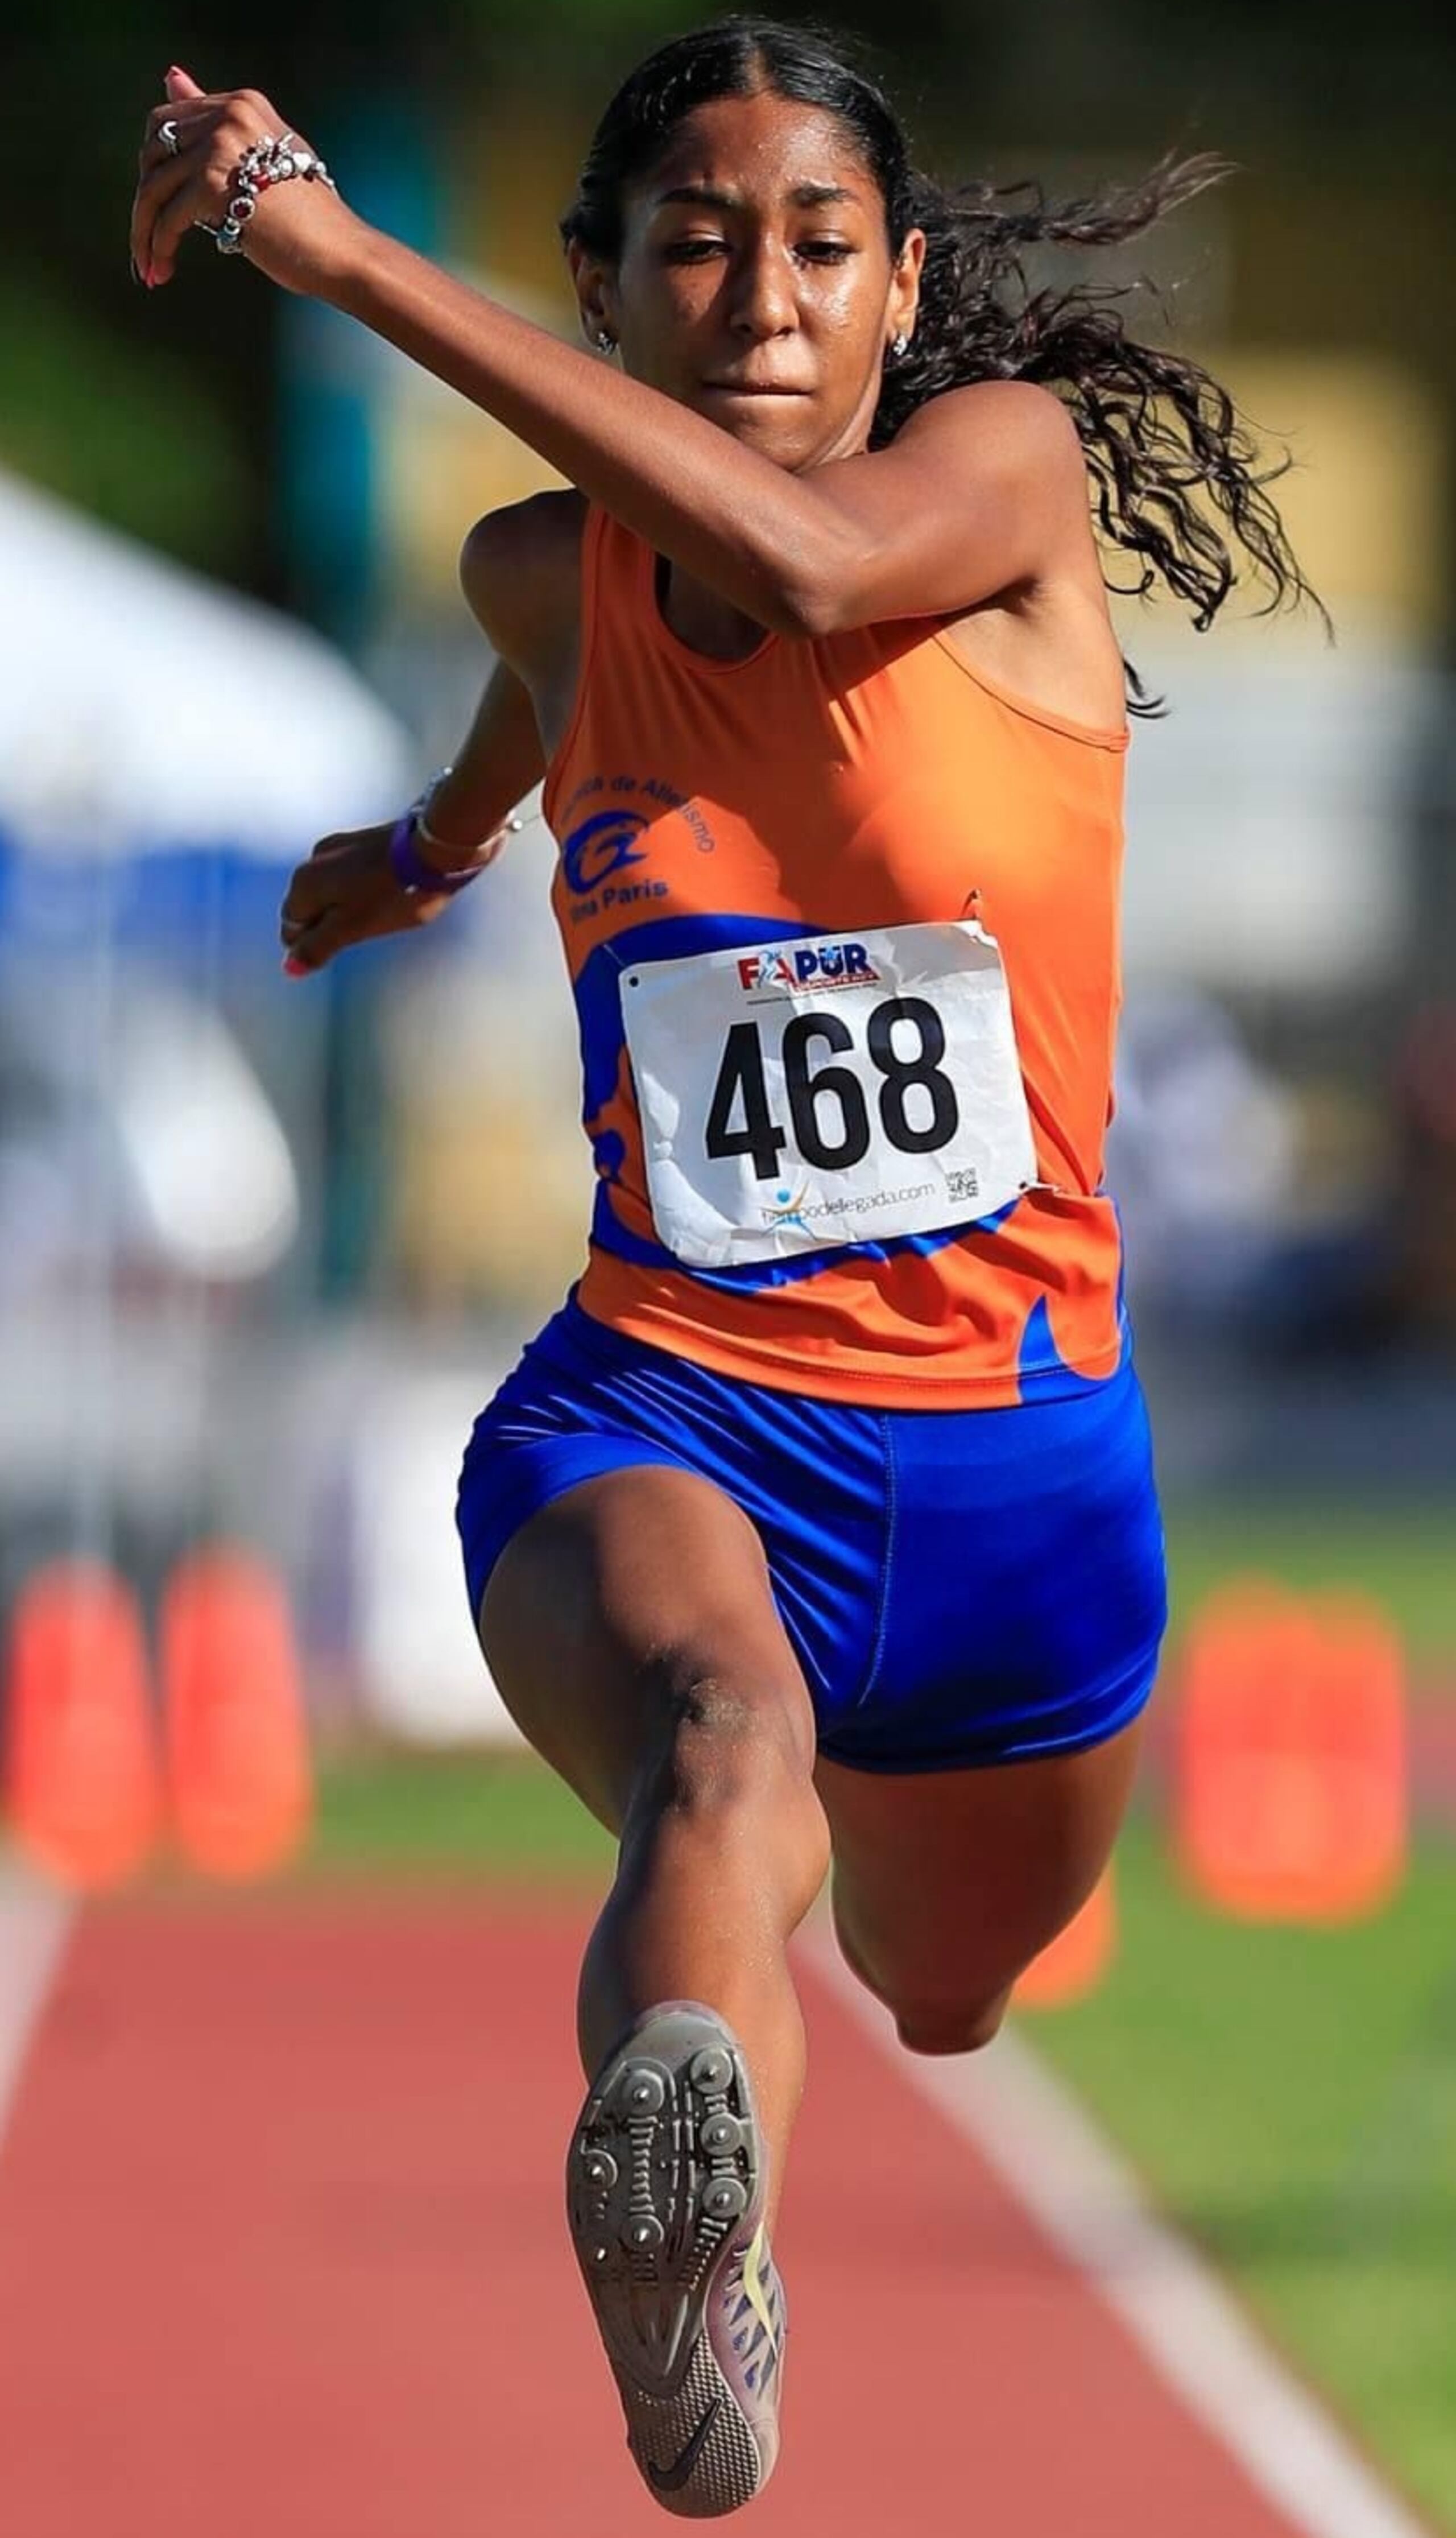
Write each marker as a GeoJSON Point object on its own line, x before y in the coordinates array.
{"type": "Point", "coordinates": [669, 2480]}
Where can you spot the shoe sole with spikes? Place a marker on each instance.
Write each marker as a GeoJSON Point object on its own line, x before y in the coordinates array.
{"type": "Point", "coordinates": [664, 2199]}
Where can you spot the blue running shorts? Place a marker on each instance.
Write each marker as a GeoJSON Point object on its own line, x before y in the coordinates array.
{"type": "Point", "coordinates": [961, 1586]}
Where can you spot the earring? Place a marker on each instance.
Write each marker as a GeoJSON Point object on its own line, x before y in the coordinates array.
{"type": "Point", "coordinates": [901, 346]}
{"type": "Point", "coordinates": [608, 342]}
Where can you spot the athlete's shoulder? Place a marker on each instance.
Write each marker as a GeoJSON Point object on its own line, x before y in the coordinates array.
{"type": "Point", "coordinates": [987, 417]}
{"type": "Point", "coordinates": [520, 570]}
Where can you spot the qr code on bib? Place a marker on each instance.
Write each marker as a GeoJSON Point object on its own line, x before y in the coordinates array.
{"type": "Point", "coordinates": [963, 1185]}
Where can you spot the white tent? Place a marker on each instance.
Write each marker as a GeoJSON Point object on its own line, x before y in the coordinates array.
{"type": "Point", "coordinates": [144, 708]}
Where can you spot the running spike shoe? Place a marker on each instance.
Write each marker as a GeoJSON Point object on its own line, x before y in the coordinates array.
{"type": "Point", "coordinates": [665, 2200]}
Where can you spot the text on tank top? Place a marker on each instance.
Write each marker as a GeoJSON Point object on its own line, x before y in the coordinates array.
{"type": "Point", "coordinates": [777, 814]}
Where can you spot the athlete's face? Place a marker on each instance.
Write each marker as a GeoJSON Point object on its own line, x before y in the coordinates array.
{"type": "Point", "coordinates": [754, 259]}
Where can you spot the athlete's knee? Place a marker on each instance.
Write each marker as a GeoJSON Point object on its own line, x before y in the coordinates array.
{"type": "Point", "coordinates": [727, 1731]}
{"type": "Point", "coordinates": [735, 1751]}
{"type": "Point", "coordinates": [959, 2020]}
{"type": "Point", "coordinates": [953, 2025]}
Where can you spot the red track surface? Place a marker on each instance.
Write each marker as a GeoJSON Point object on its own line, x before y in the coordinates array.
{"type": "Point", "coordinates": [282, 2256]}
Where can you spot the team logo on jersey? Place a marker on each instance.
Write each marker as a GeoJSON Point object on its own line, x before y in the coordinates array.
{"type": "Point", "coordinates": [605, 843]}
{"type": "Point", "coordinates": [806, 964]}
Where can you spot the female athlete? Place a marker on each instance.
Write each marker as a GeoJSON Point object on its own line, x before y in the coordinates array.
{"type": "Point", "coordinates": [819, 1526]}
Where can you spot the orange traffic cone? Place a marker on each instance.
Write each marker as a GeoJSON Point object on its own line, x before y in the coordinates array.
{"type": "Point", "coordinates": [236, 1740]}
{"type": "Point", "coordinates": [1292, 1798]}
{"type": "Point", "coordinates": [1078, 1958]}
{"type": "Point", "coordinates": [80, 1775]}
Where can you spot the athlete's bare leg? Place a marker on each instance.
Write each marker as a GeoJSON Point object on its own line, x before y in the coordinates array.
{"type": "Point", "coordinates": [946, 1884]}
{"type": "Point", "coordinates": [632, 1635]}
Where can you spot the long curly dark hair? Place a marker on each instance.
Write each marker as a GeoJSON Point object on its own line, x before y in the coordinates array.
{"type": "Point", "coordinates": [1176, 480]}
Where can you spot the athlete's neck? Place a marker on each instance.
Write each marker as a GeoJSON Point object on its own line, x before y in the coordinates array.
{"type": "Point", "coordinates": [700, 618]}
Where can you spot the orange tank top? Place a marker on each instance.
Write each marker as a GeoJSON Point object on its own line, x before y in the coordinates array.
{"type": "Point", "coordinates": [822, 788]}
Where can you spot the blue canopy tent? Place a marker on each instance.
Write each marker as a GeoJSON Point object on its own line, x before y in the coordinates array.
{"type": "Point", "coordinates": [164, 745]}
{"type": "Point", "coordinates": [168, 750]}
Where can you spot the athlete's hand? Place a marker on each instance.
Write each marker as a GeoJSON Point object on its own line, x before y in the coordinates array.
{"type": "Point", "coordinates": [344, 894]}
{"type": "Point", "coordinates": [300, 235]}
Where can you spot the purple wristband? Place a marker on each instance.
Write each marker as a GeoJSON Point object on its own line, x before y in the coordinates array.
{"type": "Point", "coordinates": [411, 870]}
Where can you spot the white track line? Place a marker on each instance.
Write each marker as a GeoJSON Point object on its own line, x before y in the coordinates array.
{"type": "Point", "coordinates": [1047, 2153]}
{"type": "Point", "coordinates": [34, 1923]}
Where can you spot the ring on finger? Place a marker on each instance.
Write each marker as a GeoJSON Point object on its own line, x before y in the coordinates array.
{"type": "Point", "coordinates": [166, 134]}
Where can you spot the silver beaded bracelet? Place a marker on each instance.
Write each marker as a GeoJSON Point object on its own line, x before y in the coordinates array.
{"type": "Point", "coordinates": [271, 162]}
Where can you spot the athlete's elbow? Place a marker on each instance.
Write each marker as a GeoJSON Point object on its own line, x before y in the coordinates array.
{"type": "Point", "coordinates": [805, 614]}
{"type": "Point", "coordinates": [810, 609]}
{"type": "Point", "coordinates": [828, 595]}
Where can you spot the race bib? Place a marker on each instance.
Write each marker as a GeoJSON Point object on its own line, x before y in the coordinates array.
{"type": "Point", "coordinates": [826, 1090]}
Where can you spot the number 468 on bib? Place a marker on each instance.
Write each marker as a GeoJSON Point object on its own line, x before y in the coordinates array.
{"type": "Point", "coordinates": [826, 1090]}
